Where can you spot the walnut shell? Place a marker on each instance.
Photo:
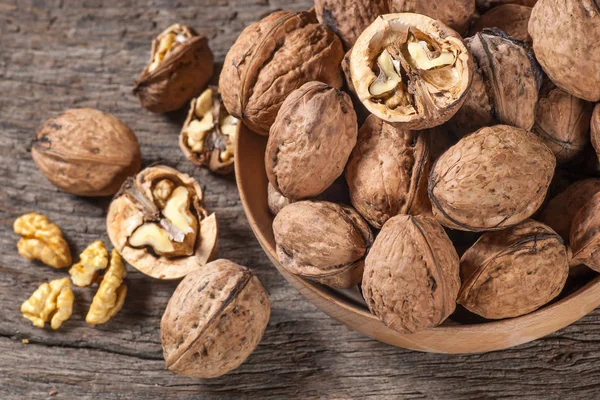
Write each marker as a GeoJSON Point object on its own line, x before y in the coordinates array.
{"type": "Point", "coordinates": [595, 130]}
{"type": "Point", "coordinates": [485, 5]}
{"type": "Point", "coordinates": [270, 59]}
{"type": "Point", "coordinates": [429, 86]}
{"type": "Point", "coordinates": [585, 234]}
{"type": "Point", "coordinates": [454, 13]}
{"type": "Point", "coordinates": [134, 206]}
{"type": "Point", "coordinates": [86, 152]}
{"type": "Point", "coordinates": [214, 320]}
{"type": "Point", "coordinates": [513, 272]}
{"type": "Point", "coordinates": [310, 141]}
{"type": "Point", "coordinates": [387, 172]}
{"type": "Point", "coordinates": [569, 55]}
{"type": "Point", "coordinates": [510, 18]}
{"type": "Point", "coordinates": [411, 277]}
{"type": "Point", "coordinates": [491, 179]}
{"type": "Point", "coordinates": [181, 75]}
{"type": "Point", "coordinates": [322, 241]}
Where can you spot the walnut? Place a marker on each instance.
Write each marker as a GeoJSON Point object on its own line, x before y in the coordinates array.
{"type": "Point", "coordinates": [93, 259]}
{"type": "Point", "coordinates": [164, 233]}
{"type": "Point", "coordinates": [513, 272]}
{"type": "Point", "coordinates": [454, 13]}
{"type": "Point", "coordinates": [595, 130]}
{"type": "Point", "coordinates": [208, 133]}
{"type": "Point", "coordinates": [484, 5]}
{"type": "Point", "coordinates": [411, 277]}
{"type": "Point", "coordinates": [510, 18]}
{"type": "Point", "coordinates": [270, 59]}
{"type": "Point", "coordinates": [310, 141]}
{"type": "Point", "coordinates": [51, 302]}
{"type": "Point", "coordinates": [42, 240]}
{"type": "Point", "coordinates": [411, 70]}
{"type": "Point", "coordinates": [491, 179]}
{"type": "Point", "coordinates": [214, 320]}
{"type": "Point", "coordinates": [322, 241]}
{"type": "Point", "coordinates": [387, 172]}
{"type": "Point", "coordinates": [86, 152]}
{"type": "Point", "coordinates": [585, 234]}
{"type": "Point", "coordinates": [110, 297]}
{"type": "Point", "coordinates": [569, 55]}
{"type": "Point", "coordinates": [180, 66]}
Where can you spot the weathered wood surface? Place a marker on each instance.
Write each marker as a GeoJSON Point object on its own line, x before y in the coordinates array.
{"type": "Point", "coordinates": [58, 54]}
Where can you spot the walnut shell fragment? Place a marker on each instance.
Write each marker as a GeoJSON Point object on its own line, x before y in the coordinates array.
{"type": "Point", "coordinates": [585, 234]}
{"type": "Point", "coordinates": [322, 241]}
{"type": "Point", "coordinates": [411, 277]}
{"type": "Point", "coordinates": [454, 13]}
{"type": "Point", "coordinates": [214, 320]}
{"type": "Point", "coordinates": [270, 59]}
{"type": "Point", "coordinates": [86, 152]}
{"type": "Point", "coordinates": [595, 130]}
{"type": "Point", "coordinates": [510, 18]}
{"type": "Point", "coordinates": [491, 179]}
{"type": "Point", "coordinates": [180, 65]}
{"type": "Point", "coordinates": [310, 141]}
{"type": "Point", "coordinates": [513, 272]}
{"type": "Point", "coordinates": [159, 224]}
{"type": "Point", "coordinates": [387, 172]}
{"type": "Point", "coordinates": [411, 70]}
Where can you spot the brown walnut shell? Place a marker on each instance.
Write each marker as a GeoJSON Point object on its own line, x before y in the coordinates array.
{"type": "Point", "coordinates": [182, 74]}
{"type": "Point", "coordinates": [387, 172]}
{"type": "Point", "coordinates": [585, 234]}
{"type": "Point", "coordinates": [491, 179]}
{"type": "Point", "coordinates": [214, 320]}
{"type": "Point", "coordinates": [411, 277]}
{"type": "Point", "coordinates": [454, 13]}
{"type": "Point", "coordinates": [510, 18]}
{"type": "Point", "coordinates": [134, 206]}
{"type": "Point", "coordinates": [322, 241]}
{"type": "Point", "coordinates": [270, 59]}
{"type": "Point", "coordinates": [569, 55]}
{"type": "Point", "coordinates": [595, 130]}
{"type": "Point", "coordinates": [86, 152]}
{"type": "Point", "coordinates": [485, 5]}
{"type": "Point", "coordinates": [513, 272]}
{"type": "Point", "coordinates": [310, 141]}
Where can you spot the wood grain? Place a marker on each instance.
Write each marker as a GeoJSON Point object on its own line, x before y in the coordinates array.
{"type": "Point", "coordinates": [58, 54]}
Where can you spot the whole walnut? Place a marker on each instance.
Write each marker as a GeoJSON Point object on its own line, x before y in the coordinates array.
{"type": "Point", "coordinates": [310, 141]}
{"type": "Point", "coordinates": [569, 55]}
{"type": "Point", "coordinates": [322, 241]}
{"type": "Point", "coordinates": [595, 130]}
{"type": "Point", "coordinates": [214, 320]}
{"type": "Point", "coordinates": [585, 234]}
{"type": "Point", "coordinates": [387, 172]}
{"type": "Point", "coordinates": [491, 179]}
{"type": "Point", "coordinates": [513, 272]}
{"type": "Point", "coordinates": [271, 58]}
{"type": "Point", "coordinates": [454, 13]}
{"type": "Point", "coordinates": [411, 277]}
{"type": "Point", "coordinates": [484, 5]}
{"type": "Point", "coordinates": [510, 18]}
{"type": "Point", "coordinates": [86, 152]}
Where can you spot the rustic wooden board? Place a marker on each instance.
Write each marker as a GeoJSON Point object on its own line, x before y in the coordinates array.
{"type": "Point", "coordinates": [57, 54]}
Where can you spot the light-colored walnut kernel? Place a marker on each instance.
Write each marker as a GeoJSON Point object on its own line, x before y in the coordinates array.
{"type": "Point", "coordinates": [42, 240]}
{"type": "Point", "coordinates": [93, 259]}
{"type": "Point", "coordinates": [51, 302]}
{"type": "Point", "coordinates": [110, 297]}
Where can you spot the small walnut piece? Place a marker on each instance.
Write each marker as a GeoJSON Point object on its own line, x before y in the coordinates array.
{"type": "Point", "coordinates": [411, 277]}
{"type": "Point", "coordinates": [214, 320]}
{"type": "Point", "coordinates": [510, 18]}
{"type": "Point", "coordinates": [454, 13]}
{"type": "Point", "coordinates": [51, 302]}
{"type": "Point", "coordinates": [93, 259]}
{"type": "Point", "coordinates": [110, 297]}
{"type": "Point", "coordinates": [42, 240]}
{"type": "Point", "coordinates": [595, 130]}
{"type": "Point", "coordinates": [585, 234]}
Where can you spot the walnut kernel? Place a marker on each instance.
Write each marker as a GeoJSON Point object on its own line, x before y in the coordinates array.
{"type": "Point", "coordinates": [42, 240]}
{"type": "Point", "coordinates": [93, 259]}
{"type": "Point", "coordinates": [110, 297]}
{"type": "Point", "coordinates": [51, 302]}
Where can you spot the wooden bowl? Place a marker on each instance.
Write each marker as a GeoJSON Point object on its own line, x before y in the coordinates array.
{"type": "Point", "coordinates": [347, 306]}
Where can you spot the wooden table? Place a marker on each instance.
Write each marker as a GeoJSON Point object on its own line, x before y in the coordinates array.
{"type": "Point", "coordinates": [58, 54]}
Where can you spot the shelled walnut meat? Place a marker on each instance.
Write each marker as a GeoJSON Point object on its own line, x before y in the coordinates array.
{"type": "Point", "coordinates": [411, 277]}
{"type": "Point", "coordinates": [51, 302]}
{"type": "Point", "coordinates": [214, 320]}
{"type": "Point", "coordinates": [86, 152]}
{"type": "Point", "coordinates": [513, 272]}
{"type": "Point", "coordinates": [270, 59]}
{"type": "Point", "coordinates": [93, 259]}
{"type": "Point", "coordinates": [595, 130]}
{"type": "Point", "coordinates": [159, 224]}
{"type": "Point", "coordinates": [322, 241]}
{"type": "Point", "coordinates": [411, 70]}
{"type": "Point", "coordinates": [180, 65]}
{"type": "Point", "coordinates": [510, 18]}
{"type": "Point", "coordinates": [42, 240]}
{"type": "Point", "coordinates": [454, 13]}
{"type": "Point", "coordinates": [208, 134]}
{"type": "Point", "coordinates": [585, 234]}
{"type": "Point", "coordinates": [110, 297]}
{"type": "Point", "coordinates": [491, 179]}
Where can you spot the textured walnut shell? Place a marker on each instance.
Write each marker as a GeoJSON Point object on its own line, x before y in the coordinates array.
{"type": "Point", "coordinates": [491, 179]}
{"type": "Point", "coordinates": [387, 172]}
{"type": "Point", "coordinates": [270, 59]}
{"type": "Point", "coordinates": [434, 98]}
{"type": "Point", "coordinates": [595, 130]}
{"type": "Point", "coordinates": [183, 74]}
{"type": "Point", "coordinates": [585, 234]}
{"type": "Point", "coordinates": [485, 5]}
{"type": "Point", "coordinates": [86, 152]}
{"type": "Point", "coordinates": [513, 272]}
{"type": "Point", "coordinates": [130, 208]}
{"type": "Point", "coordinates": [569, 55]}
{"type": "Point", "coordinates": [454, 13]}
{"type": "Point", "coordinates": [411, 277]}
{"type": "Point", "coordinates": [214, 320]}
{"type": "Point", "coordinates": [310, 141]}
{"type": "Point", "coordinates": [322, 241]}
{"type": "Point", "coordinates": [510, 18]}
